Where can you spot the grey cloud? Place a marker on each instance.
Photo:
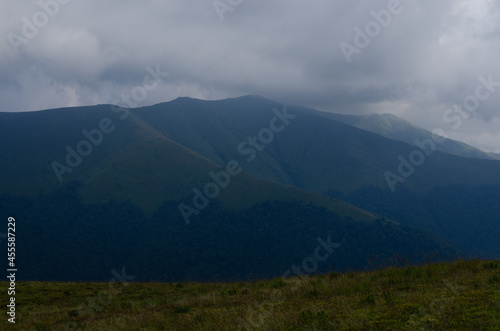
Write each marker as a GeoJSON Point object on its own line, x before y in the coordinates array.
{"type": "Point", "coordinates": [424, 61]}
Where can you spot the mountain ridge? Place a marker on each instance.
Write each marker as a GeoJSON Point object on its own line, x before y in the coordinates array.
{"type": "Point", "coordinates": [394, 127]}
{"type": "Point", "coordinates": [163, 166]}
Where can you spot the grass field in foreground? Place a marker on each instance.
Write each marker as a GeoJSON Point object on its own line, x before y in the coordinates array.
{"type": "Point", "coordinates": [463, 295]}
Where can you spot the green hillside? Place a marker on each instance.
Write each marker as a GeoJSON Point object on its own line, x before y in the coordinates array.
{"type": "Point", "coordinates": [155, 193]}
{"type": "Point", "coordinates": [312, 152]}
{"type": "Point", "coordinates": [128, 196]}
{"type": "Point", "coordinates": [134, 162]}
{"type": "Point", "coordinates": [462, 295]}
{"type": "Point", "coordinates": [319, 154]}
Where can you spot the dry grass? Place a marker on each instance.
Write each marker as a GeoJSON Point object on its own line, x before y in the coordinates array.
{"type": "Point", "coordinates": [463, 295]}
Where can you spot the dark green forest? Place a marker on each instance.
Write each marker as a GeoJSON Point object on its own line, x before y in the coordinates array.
{"type": "Point", "coordinates": [465, 214]}
{"type": "Point", "coordinates": [60, 238]}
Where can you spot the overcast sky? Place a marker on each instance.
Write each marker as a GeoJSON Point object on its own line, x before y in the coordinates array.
{"type": "Point", "coordinates": [416, 63]}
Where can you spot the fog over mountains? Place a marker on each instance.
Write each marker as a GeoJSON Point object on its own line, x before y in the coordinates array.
{"type": "Point", "coordinates": [61, 53]}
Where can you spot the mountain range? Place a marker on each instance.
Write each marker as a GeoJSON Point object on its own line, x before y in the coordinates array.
{"type": "Point", "coordinates": [393, 127]}
{"type": "Point", "coordinates": [236, 189]}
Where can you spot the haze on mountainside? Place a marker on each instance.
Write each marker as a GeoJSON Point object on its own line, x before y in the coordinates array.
{"type": "Point", "coordinates": [421, 60]}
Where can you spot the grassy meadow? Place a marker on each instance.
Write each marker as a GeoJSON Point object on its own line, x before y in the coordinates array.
{"type": "Point", "coordinates": [462, 295]}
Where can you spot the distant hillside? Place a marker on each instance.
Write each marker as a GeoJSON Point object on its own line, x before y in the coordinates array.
{"type": "Point", "coordinates": [495, 155]}
{"type": "Point", "coordinates": [451, 296]}
{"type": "Point", "coordinates": [323, 155]}
{"type": "Point", "coordinates": [229, 189]}
{"type": "Point", "coordinates": [113, 189]}
{"type": "Point", "coordinates": [396, 128]}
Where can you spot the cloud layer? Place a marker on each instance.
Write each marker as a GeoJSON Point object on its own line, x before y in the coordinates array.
{"type": "Point", "coordinates": [420, 61]}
